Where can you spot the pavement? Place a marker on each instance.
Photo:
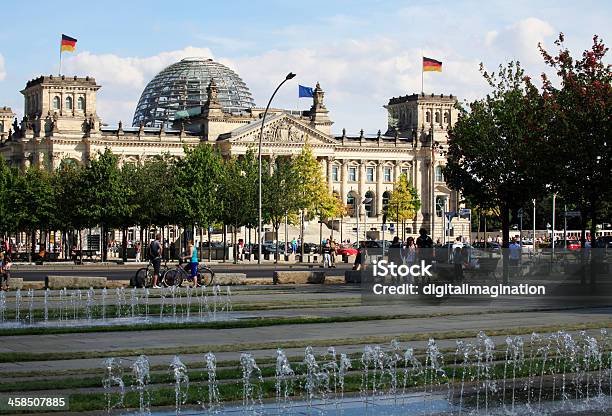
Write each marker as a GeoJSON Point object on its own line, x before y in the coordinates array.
{"type": "Point", "coordinates": [114, 271]}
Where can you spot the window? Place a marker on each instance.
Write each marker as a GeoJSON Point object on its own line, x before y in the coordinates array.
{"type": "Point", "coordinates": [369, 205]}
{"type": "Point", "coordinates": [437, 116]}
{"type": "Point", "coordinates": [406, 172]}
{"type": "Point", "coordinates": [56, 103]}
{"type": "Point", "coordinates": [350, 202]}
{"type": "Point", "coordinates": [447, 117]}
{"type": "Point", "coordinates": [1, 126]}
{"type": "Point", "coordinates": [370, 174]}
{"type": "Point", "coordinates": [352, 174]}
{"type": "Point", "coordinates": [81, 103]}
{"type": "Point", "coordinates": [388, 175]}
{"type": "Point", "coordinates": [335, 173]}
{"type": "Point", "coordinates": [440, 205]}
{"type": "Point", "coordinates": [68, 103]}
{"type": "Point", "coordinates": [428, 117]}
{"type": "Point", "coordinates": [439, 174]}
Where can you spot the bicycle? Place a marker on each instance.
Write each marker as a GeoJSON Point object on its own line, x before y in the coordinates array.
{"type": "Point", "coordinates": [144, 275]}
{"type": "Point", "coordinates": [176, 276]}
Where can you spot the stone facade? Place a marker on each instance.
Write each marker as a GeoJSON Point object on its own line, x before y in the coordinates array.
{"type": "Point", "coordinates": [61, 122]}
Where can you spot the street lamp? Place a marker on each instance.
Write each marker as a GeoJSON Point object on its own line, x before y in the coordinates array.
{"type": "Point", "coordinates": [289, 76]}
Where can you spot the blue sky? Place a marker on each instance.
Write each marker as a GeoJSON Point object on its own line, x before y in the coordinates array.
{"type": "Point", "coordinates": [362, 52]}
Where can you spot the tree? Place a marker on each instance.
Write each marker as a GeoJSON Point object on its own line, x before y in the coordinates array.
{"type": "Point", "coordinates": [496, 147]}
{"type": "Point", "coordinates": [579, 129]}
{"type": "Point", "coordinates": [404, 201]}
{"type": "Point", "coordinates": [105, 198]}
{"type": "Point", "coordinates": [280, 194]}
{"type": "Point", "coordinates": [8, 178]}
{"type": "Point", "coordinates": [239, 184]}
{"type": "Point", "coordinates": [198, 176]}
{"type": "Point", "coordinates": [33, 202]}
{"type": "Point", "coordinates": [310, 186]}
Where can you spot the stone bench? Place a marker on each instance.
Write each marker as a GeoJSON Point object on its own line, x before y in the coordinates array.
{"type": "Point", "coordinates": [15, 283]}
{"type": "Point", "coordinates": [74, 282]}
{"type": "Point", "coordinates": [298, 277]}
{"type": "Point", "coordinates": [230, 279]}
{"type": "Point", "coordinates": [352, 276]}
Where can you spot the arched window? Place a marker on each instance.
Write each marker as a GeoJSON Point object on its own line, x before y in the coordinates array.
{"type": "Point", "coordinates": [439, 174]}
{"type": "Point", "coordinates": [81, 103]}
{"type": "Point", "coordinates": [350, 203]}
{"type": "Point", "coordinates": [447, 117]}
{"type": "Point", "coordinates": [68, 103]}
{"type": "Point", "coordinates": [369, 206]}
{"type": "Point", "coordinates": [385, 199]}
{"type": "Point", "coordinates": [437, 117]}
{"type": "Point", "coordinates": [1, 126]}
{"type": "Point", "coordinates": [56, 103]}
{"type": "Point", "coordinates": [428, 117]}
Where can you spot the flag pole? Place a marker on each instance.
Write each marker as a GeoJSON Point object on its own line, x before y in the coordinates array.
{"type": "Point", "coordinates": [59, 73]}
{"type": "Point", "coordinates": [422, 75]}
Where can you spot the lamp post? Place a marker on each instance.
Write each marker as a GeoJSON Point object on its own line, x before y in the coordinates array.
{"type": "Point", "coordinates": [289, 76]}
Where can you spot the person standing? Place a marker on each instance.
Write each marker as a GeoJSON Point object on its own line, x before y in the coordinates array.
{"type": "Point", "coordinates": [332, 245]}
{"type": "Point", "coordinates": [155, 253]}
{"type": "Point", "coordinates": [361, 257]}
{"type": "Point", "coordinates": [327, 255]}
{"type": "Point", "coordinates": [514, 250]}
{"type": "Point", "coordinates": [137, 250]}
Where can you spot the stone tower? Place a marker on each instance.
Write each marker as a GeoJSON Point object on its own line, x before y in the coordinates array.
{"type": "Point", "coordinates": [60, 103]}
{"type": "Point", "coordinates": [6, 119]}
{"type": "Point", "coordinates": [420, 115]}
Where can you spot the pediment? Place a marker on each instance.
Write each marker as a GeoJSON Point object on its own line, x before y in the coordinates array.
{"type": "Point", "coordinates": [281, 129]}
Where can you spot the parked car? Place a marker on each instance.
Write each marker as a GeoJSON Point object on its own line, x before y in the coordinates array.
{"type": "Point", "coordinates": [347, 250]}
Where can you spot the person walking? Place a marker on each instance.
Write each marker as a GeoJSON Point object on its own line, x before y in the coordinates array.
{"type": "Point", "coordinates": [332, 245]}
{"type": "Point", "coordinates": [192, 258]}
{"type": "Point", "coordinates": [155, 253]}
{"type": "Point", "coordinates": [361, 257]}
{"type": "Point", "coordinates": [409, 255]}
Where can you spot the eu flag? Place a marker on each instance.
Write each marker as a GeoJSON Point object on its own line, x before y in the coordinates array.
{"type": "Point", "coordinates": [305, 91]}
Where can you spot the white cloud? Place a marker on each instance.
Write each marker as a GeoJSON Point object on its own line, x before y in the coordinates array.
{"type": "Point", "coordinates": [521, 39]}
{"type": "Point", "coordinates": [2, 68]}
{"type": "Point", "coordinates": [358, 76]}
{"type": "Point", "coordinates": [123, 78]}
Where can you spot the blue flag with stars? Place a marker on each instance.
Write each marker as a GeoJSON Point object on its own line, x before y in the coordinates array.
{"type": "Point", "coordinates": [304, 91]}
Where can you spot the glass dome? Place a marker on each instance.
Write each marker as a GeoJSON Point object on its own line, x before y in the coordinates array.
{"type": "Point", "coordinates": [183, 84]}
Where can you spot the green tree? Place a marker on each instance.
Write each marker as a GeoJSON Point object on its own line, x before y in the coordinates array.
{"type": "Point", "coordinates": [279, 199]}
{"type": "Point", "coordinates": [8, 179]}
{"type": "Point", "coordinates": [496, 147]}
{"type": "Point", "coordinates": [579, 129]}
{"type": "Point", "coordinates": [404, 201]}
{"type": "Point", "coordinates": [33, 202]}
{"type": "Point", "coordinates": [239, 184]}
{"type": "Point", "coordinates": [198, 176]}
{"type": "Point", "coordinates": [106, 200]}
{"type": "Point", "coordinates": [310, 190]}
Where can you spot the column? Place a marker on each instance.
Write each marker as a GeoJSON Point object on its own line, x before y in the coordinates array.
{"type": "Point", "coordinates": [362, 184]}
{"type": "Point", "coordinates": [379, 189]}
{"type": "Point", "coordinates": [330, 179]}
{"type": "Point", "coordinates": [344, 180]}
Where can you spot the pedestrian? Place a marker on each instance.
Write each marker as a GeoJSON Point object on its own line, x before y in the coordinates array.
{"type": "Point", "coordinates": [327, 255]}
{"type": "Point", "coordinates": [192, 265]}
{"type": "Point", "coordinates": [409, 255]}
{"type": "Point", "coordinates": [333, 247]}
{"type": "Point", "coordinates": [514, 250]}
{"type": "Point", "coordinates": [293, 246]}
{"type": "Point", "coordinates": [458, 262]}
{"type": "Point", "coordinates": [155, 253]}
{"type": "Point", "coordinates": [360, 258]}
{"type": "Point", "coordinates": [395, 254]}
{"type": "Point", "coordinates": [137, 250]}
{"type": "Point", "coordinates": [425, 250]}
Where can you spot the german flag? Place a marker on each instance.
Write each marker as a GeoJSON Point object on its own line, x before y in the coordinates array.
{"type": "Point", "coordinates": [68, 43]}
{"type": "Point", "coordinates": [431, 65]}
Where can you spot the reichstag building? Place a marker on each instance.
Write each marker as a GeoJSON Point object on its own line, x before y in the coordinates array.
{"type": "Point", "coordinates": [199, 100]}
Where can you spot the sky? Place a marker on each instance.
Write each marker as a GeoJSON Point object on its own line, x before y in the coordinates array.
{"type": "Point", "coordinates": [361, 52]}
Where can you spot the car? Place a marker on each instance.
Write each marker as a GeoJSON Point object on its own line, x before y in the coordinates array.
{"type": "Point", "coordinates": [487, 246]}
{"type": "Point", "coordinates": [347, 250]}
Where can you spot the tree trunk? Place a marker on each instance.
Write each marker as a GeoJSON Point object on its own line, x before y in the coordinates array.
{"type": "Point", "coordinates": [124, 244]}
{"type": "Point", "coordinates": [583, 225]}
{"type": "Point", "coordinates": [595, 255]}
{"type": "Point", "coordinates": [80, 247]}
{"type": "Point", "coordinates": [209, 247]}
{"type": "Point", "coordinates": [276, 227]}
{"type": "Point", "coordinates": [103, 242]}
{"type": "Point", "coordinates": [224, 242]}
{"type": "Point", "coordinates": [302, 235]}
